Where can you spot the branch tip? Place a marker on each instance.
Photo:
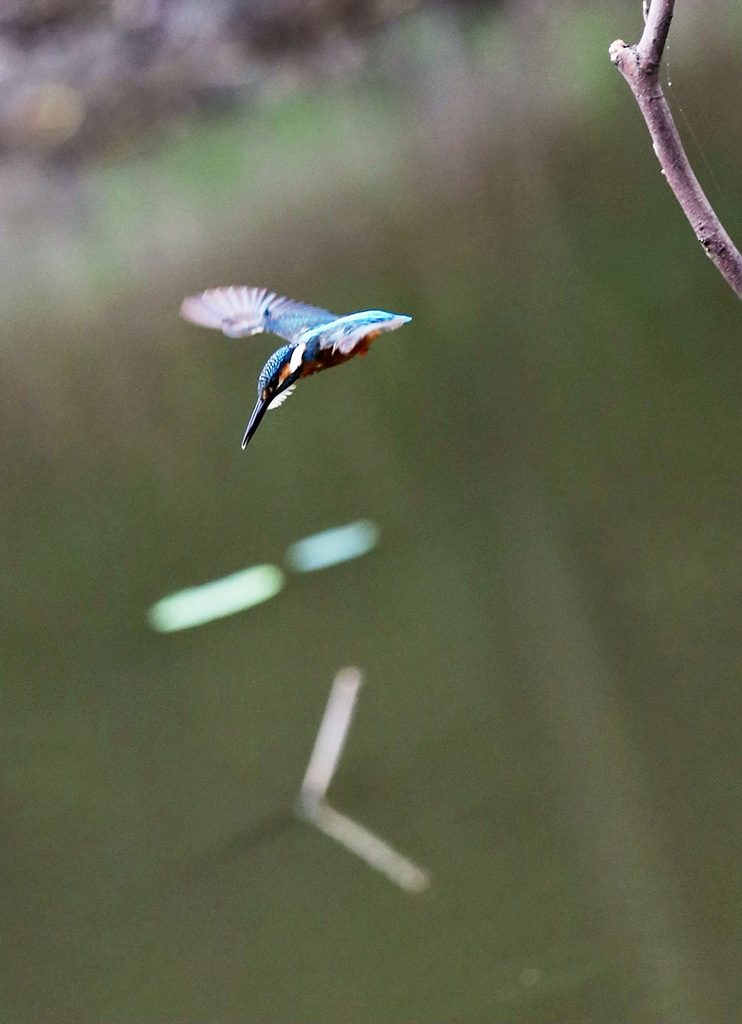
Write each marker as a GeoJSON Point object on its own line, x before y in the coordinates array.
{"type": "Point", "coordinates": [616, 49]}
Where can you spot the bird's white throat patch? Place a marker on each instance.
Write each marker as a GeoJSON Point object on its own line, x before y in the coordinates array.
{"type": "Point", "coordinates": [280, 399]}
{"type": "Point", "coordinates": [296, 357]}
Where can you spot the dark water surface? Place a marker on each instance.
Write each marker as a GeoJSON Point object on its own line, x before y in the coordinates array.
{"type": "Point", "coordinates": [549, 627]}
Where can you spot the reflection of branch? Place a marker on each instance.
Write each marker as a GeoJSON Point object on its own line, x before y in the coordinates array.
{"type": "Point", "coordinates": [640, 65]}
{"type": "Point", "coordinates": [313, 807]}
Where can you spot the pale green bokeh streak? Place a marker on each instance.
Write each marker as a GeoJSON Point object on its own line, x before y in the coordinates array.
{"type": "Point", "coordinates": [215, 600]}
{"type": "Point", "coordinates": [339, 544]}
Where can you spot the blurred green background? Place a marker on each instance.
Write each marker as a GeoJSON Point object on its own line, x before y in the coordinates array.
{"type": "Point", "coordinates": [549, 628]}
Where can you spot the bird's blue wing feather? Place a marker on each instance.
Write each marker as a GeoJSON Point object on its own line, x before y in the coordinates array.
{"type": "Point", "coordinates": [240, 312]}
{"type": "Point", "coordinates": [343, 334]}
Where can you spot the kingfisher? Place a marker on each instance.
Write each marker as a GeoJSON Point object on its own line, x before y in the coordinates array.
{"type": "Point", "coordinates": [317, 339]}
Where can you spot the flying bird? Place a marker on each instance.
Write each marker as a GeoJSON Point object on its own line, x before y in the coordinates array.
{"type": "Point", "coordinates": [316, 338]}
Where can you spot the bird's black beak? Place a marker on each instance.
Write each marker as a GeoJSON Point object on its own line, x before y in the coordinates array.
{"type": "Point", "coordinates": [257, 414]}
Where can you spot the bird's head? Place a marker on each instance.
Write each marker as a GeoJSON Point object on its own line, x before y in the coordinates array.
{"type": "Point", "coordinates": [275, 383]}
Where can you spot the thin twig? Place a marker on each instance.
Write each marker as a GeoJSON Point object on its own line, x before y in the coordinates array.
{"type": "Point", "coordinates": [640, 65]}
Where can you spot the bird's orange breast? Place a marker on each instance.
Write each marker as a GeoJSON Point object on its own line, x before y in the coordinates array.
{"type": "Point", "coordinates": [326, 358]}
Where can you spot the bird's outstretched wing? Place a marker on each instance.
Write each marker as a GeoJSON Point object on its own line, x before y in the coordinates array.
{"type": "Point", "coordinates": [343, 334]}
{"type": "Point", "coordinates": [240, 312]}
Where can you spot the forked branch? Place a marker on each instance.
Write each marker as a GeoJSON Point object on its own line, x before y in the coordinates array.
{"type": "Point", "coordinates": [640, 66]}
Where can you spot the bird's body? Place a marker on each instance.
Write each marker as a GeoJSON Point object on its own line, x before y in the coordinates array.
{"type": "Point", "coordinates": [317, 339]}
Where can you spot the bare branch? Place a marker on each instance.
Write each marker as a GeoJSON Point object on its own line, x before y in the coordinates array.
{"type": "Point", "coordinates": [640, 66]}
{"type": "Point", "coordinates": [657, 18]}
